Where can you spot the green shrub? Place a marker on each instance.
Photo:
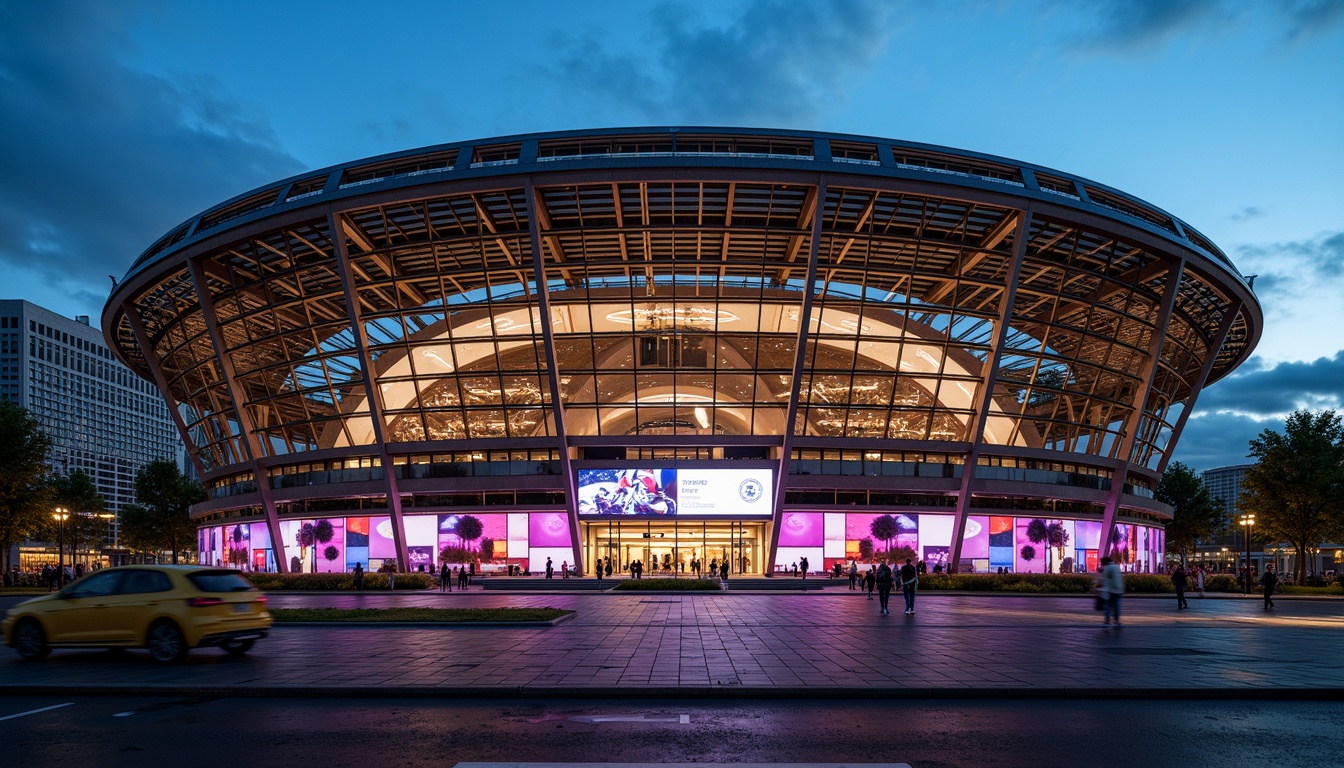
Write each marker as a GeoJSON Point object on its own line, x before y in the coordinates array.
{"type": "Point", "coordinates": [1008, 582]}
{"type": "Point", "coordinates": [1148, 583]}
{"type": "Point", "coordinates": [1221, 582]}
{"type": "Point", "coordinates": [1333, 589]}
{"type": "Point", "coordinates": [333, 582]}
{"type": "Point", "coordinates": [669, 584]}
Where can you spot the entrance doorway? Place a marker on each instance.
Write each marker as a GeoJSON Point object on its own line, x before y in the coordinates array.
{"type": "Point", "coordinates": [669, 548]}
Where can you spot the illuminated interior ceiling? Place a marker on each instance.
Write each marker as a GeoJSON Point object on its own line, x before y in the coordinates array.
{"type": "Point", "coordinates": [469, 346]}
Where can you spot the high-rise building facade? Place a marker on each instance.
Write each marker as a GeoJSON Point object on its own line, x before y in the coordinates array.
{"type": "Point", "coordinates": [1224, 484]}
{"type": "Point", "coordinates": [101, 418]}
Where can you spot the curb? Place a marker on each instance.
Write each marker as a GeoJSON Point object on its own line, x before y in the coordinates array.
{"type": "Point", "coordinates": [679, 692]}
{"type": "Point", "coordinates": [426, 624]}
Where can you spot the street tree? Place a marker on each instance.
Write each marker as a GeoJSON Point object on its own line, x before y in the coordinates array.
{"type": "Point", "coordinates": [24, 491]}
{"type": "Point", "coordinates": [1194, 513]}
{"type": "Point", "coordinates": [1296, 487]}
{"type": "Point", "coordinates": [166, 495]}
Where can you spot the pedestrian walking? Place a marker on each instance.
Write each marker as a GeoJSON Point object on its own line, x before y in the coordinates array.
{"type": "Point", "coordinates": [391, 574]}
{"type": "Point", "coordinates": [802, 563]}
{"type": "Point", "coordinates": [550, 569]}
{"type": "Point", "coordinates": [853, 575]}
{"type": "Point", "coordinates": [599, 574]}
{"type": "Point", "coordinates": [885, 581]}
{"type": "Point", "coordinates": [870, 581]}
{"type": "Point", "coordinates": [445, 578]}
{"type": "Point", "coordinates": [1178, 581]}
{"type": "Point", "coordinates": [608, 568]}
{"type": "Point", "coordinates": [1268, 582]}
{"type": "Point", "coordinates": [1199, 580]}
{"type": "Point", "coordinates": [723, 570]}
{"type": "Point", "coordinates": [564, 569]}
{"type": "Point", "coordinates": [1110, 586]}
{"type": "Point", "coordinates": [359, 575]}
{"type": "Point", "coordinates": [909, 582]}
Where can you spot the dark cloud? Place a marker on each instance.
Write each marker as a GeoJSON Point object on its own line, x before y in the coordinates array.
{"type": "Point", "coordinates": [1140, 25]}
{"type": "Point", "coordinates": [1271, 391]}
{"type": "Point", "coordinates": [1219, 439]}
{"type": "Point", "coordinates": [1291, 268]}
{"type": "Point", "coordinates": [777, 62]}
{"type": "Point", "coordinates": [99, 159]}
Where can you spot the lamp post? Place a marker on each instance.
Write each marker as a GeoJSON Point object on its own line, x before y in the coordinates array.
{"type": "Point", "coordinates": [1247, 522]}
{"type": "Point", "coordinates": [1223, 559]}
{"type": "Point", "coordinates": [60, 516]}
{"type": "Point", "coordinates": [107, 518]}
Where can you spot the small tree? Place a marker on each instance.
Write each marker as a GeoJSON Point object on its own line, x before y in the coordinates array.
{"type": "Point", "coordinates": [1296, 488]}
{"type": "Point", "coordinates": [24, 491]}
{"type": "Point", "coordinates": [866, 549]}
{"type": "Point", "coordinates": [78, 495]}
{"type": "Point", "coordinates": [469, 529]}
{"type": "Point", "coordinates": [884, 527]}
{"type": "Point", "coordinates": [1194, 514]}
{"type": "Point", "coordinates": [167, 495]}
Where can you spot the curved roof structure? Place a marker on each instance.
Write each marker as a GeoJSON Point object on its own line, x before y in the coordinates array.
{"type": "Point", "coordinates": [685, 294]}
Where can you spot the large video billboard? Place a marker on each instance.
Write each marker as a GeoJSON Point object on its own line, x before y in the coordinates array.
{"type": "Point", "coordinates": [684, 492]}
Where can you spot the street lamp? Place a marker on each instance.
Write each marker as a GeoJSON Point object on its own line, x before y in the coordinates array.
{"type": "Point", "coordinates": [107, 518]}
{"type": "Point", "coordinates": [1248, 522]}
{"type": "Point", "coordinates": [60, 516]}
{"type": "Point", "coordinates": [1223, 560]}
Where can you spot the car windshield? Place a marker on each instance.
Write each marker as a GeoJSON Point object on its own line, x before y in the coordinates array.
{"type": "Point", "coordinates": [220, 581]}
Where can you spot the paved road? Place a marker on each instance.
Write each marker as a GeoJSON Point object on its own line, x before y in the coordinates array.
{"type": "Point", "coordinates": [815, 643]}
{"type": "Point", "coordinates": [115, 731]}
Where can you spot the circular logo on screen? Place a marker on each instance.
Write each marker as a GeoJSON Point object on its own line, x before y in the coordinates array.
{"type": "Point", "coordinates": [750, 490]}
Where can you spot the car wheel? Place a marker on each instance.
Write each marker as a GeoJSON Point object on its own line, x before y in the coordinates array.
{"type": "Point", "coordinates": [237, 647]}
{"type": "Point", "coordinates": [30, 641]}
{"type": "Point", "coordinates": [166, 643]}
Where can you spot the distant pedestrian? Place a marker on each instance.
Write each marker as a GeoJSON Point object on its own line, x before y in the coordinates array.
{"type": "Point", "coordinates": [599, 574]}
{"type": "Point", "coordinates": [909, 582]}
{"type": "Point", "coordinates": [1110, 586]}
{"type": "Point", "coordinates": [853, 575]}
{"type": "Point", "coordinates": [564, 569]}
{"type": "Point", "coordinates": [359, 575]}
{"type": "Point", "coordinates": [550, 569]}
{"type": "Point", "coordinates": [1178, 581]}
{"type": "Point", "coordinates": [870, 580]}
{"type": "Point", "coordinates": [462, 577]}
{"type": "Point", "coordinates": [884, 581]}
{"type": "Point", "coordinates": [723, 570]}
{"type": "Point", "coordinates": [714, 567]}
{"type": "Point", "coordinates": [445, 578]}
{"type": "Point", "coordinates": [608, 568]}
{"type": "Point", "coordinates": [391, 574]}
{"type": "Point", "coordinates": [1199, 580]}
{"type": "Point", "coordinates": [1268, 582]}
{"type": "Point", "coordinates": [802, 564]}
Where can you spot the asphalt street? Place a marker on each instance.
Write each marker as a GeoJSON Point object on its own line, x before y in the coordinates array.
{"type": "Point", "coordinates": [91, 732]}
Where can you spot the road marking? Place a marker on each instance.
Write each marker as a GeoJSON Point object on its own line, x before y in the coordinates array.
{"type": "Point", "coordinates": [36, 711]}
{"type": "Point", "coordinates": [679, 719]}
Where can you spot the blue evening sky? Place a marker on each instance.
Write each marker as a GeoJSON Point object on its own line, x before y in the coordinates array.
{"type": "Point", "coordinates": [119, 120]}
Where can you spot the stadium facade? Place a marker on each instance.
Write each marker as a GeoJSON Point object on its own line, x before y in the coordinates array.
{"type": "Point", "coordinates": [681, 344]}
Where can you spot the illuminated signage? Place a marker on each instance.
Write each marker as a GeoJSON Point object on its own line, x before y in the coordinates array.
{"type": "Point", "coordinates": [684, 492]}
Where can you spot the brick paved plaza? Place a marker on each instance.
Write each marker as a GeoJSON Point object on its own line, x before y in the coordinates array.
{"type": "Point", "coordinates": [794, 644]}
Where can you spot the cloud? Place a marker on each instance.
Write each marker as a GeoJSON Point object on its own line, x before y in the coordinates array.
{"type": "Point", "coordinates": [1133, 26]}
{"type": "Point", "coordinates": [101, 159]}
{"type": "Point", "coordinates": [1219, 439]}
{"type": "Point", "coordinates": [1247, 213]}
{"type": "Point", "coordinates": [1294, 267]}
{"type": "Point", "coordinates": [776, 62]}
{"type": "Point", "coordinates": [1265, 391]}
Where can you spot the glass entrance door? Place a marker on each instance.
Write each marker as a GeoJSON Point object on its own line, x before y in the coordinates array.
{"type": "Point", "coordinates": [671, 548]}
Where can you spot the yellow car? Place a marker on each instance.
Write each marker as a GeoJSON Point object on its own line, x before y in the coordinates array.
{"type": "Point", "coordinates": [166, 609]}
